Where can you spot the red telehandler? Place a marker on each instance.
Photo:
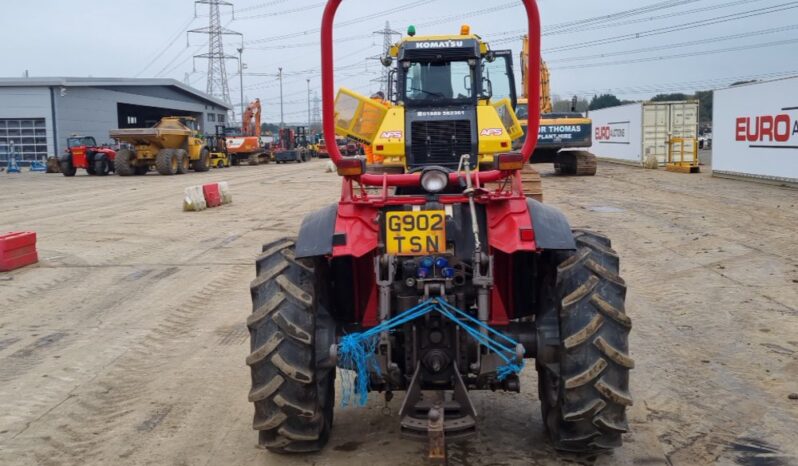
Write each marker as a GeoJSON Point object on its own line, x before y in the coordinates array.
{"type": "Point", "coordinates": [432, 283]}
{"type": "Point", "coordinates": [83, 152]}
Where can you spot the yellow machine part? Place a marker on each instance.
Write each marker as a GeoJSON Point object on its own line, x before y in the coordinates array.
{"type": "Point", "coordinates": [493, 135]}
{"type": "Point", "coordinates": [545, 87]}
{"type": "Point", "coordinates": [358, 116]}
{"type": "Point", "coordinates": [390, 140]}
{"type": "Point", "coordinates": [506, 113]}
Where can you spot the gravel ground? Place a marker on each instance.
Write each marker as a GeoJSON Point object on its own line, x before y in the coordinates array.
{"type": "Point", "coordinates": [126, 343]}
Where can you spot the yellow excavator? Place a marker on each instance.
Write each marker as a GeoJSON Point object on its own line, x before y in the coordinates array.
{"type": "Point", "coordinates": [562, 134]}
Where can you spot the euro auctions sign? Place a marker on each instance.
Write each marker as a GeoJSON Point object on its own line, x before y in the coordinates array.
{"type": "Point", "coordinates": [775, 131]}
{"type": "Point", "coordinates": [755, 130]}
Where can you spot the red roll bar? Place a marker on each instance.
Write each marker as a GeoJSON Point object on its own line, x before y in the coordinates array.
{"type": "Point", "coordinates": [328, 94]}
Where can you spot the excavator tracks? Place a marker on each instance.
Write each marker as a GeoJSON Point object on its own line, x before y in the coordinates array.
{"type": "Point", "coordinates": [575, 163]}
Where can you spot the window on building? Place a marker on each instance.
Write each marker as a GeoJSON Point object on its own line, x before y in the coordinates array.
{"type": "Point", "coordinates": [211, 117]}
{"type": "Point", "coordinates": [132, 120]}
{"type": "Point", "coordinates": [26, 139]}
{"type": "Point", "coordinates": [221, 118]}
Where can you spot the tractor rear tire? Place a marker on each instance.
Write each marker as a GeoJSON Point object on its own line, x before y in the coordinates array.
{"type": "Point", "coordinates": [183, 162]}
{"type": "Point", "coordinates": [123, 163]}
{"type": "Point", "coordinates": [253, 159]}
{"type": "Point", "coordinates": [166, 162]}
{"type": "Point", "coordinates": [584, 384]}
{"type": "Point", "coordinates": [291, 332]}
{"type": "Point", "coordinates": [203, 163]}
{"type": "Point", "coordinates": [67, 168]}
{"type": "Point", "coordinates": [101, 167]}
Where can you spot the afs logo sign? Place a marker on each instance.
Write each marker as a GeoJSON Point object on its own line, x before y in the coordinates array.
{"type": "Point", "coordinates": [391, 135]}
{"type": "Point", "coordinates": [491, 132]}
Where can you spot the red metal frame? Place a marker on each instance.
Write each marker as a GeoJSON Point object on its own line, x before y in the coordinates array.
{"type": "Point", "coordinates": [358, 211]}
{"type": "Point", "coordinates": [328, 94]}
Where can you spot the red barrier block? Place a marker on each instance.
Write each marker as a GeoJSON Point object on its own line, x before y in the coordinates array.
{"type": "Point", "coordinates": [17, 250]}
{"type": "Point", "coordinates": [213, 196]}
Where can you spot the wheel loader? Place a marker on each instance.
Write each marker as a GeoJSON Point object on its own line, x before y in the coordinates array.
{"type": "Point", "coordinates": [563, 136]}
{"type": "Point", "coordinates": [172, 147]}
{"type": "Point", "coordinates": [431, 283]}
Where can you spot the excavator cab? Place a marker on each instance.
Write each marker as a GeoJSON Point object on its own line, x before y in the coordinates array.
{"type": "Point", "coordinates": [451, 96]}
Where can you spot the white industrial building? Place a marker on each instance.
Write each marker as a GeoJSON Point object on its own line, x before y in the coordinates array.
{"type": "Point", "coordinates": [38, 114]}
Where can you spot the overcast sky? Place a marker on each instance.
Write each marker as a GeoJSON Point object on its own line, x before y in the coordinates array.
{"type": "Point", "coordinates": [631, 55]}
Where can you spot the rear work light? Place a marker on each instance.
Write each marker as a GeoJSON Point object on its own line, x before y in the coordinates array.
{"type": "Point", "coordinates": [351, 166]}
{"type": "Point", "coordinates": [511, 161]}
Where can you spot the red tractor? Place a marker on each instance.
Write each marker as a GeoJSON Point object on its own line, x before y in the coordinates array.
{"type": "Point", "coordinates": [83, 152]}
{"type": "Point", "coordinates": [432, 283]}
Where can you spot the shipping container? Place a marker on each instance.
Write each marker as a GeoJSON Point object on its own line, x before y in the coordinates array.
{"type": "Point", "coordinates": [628, 133]}
{"type": "Point", "coordinates": [755, 131]}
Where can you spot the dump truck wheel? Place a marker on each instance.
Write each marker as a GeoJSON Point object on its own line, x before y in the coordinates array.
{"type": "Point", "coordinates": [101, 167]}
{"type": "Point", "coordinates": [67, 168]}
{"type": "Point", "coordinates": [202, 164]}
{"type": "Point", "coordinates": [291, 332]}
{"type": "Point", "coordinates": [166, 162]}
{"type": "Point", "coordinates": [584, 373]}
{"type": "Point", "coordinates": [253, 159]}
{"type": "Point", "coordinates": [183, 162]}
{"type": "Point", "coordinates": [123, 163]}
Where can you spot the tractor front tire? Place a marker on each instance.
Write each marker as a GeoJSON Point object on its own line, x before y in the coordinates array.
{"type": "Point", "coordinates": [123, 163]}
{"type": "Point", "coordinates": [101, 167]}
{"type": "Point", "coordinates": [67, 168]}
{"type": "Point", "coordinates": [166, 162]}
{"type": "Point", "coordinates": [183, 162]}
{"type": "Point", "coordinates": [584, 372]}
{"type": "Point", "coordinates": [291, 332]}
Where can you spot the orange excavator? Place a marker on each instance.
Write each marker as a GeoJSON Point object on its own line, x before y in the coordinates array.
{"type": "Point", "coordinates": [247, 146]}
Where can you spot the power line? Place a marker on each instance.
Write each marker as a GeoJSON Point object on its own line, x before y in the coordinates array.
{"type": "Point", "coordinates": [675, 45]}
{"type": "Point", "coordinates": [344, 23]}
{"type": "Point", "coordinates": [678, 55]}
{"type": "Point", "coordinates": [169, 45]}
{"type": "Point", "coordinates": [707, 84]}
{"type": "Point", "coordinates": [676, 28]}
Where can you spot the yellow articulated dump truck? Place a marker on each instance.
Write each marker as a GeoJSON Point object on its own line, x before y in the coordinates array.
{"type": "Point", "coordinates": [562, 135]}
{"type": "Point", "coordinates": [172, 147]}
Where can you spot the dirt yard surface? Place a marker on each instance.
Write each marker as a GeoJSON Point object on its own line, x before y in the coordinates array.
{"type": "Point", "coordinates": [126, 343]}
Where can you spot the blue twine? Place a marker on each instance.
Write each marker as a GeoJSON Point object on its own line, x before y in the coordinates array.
{"type": "Point", "coordinates": [357, 351]}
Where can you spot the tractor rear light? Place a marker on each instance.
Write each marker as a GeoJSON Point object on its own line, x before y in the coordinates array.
{"type": "Point", "coordinates": [504, 144]}
{"type": "Point", "coordinates": [427, 262]}
{"type": "Point", "coordinates": [447, 272]}
{"type": "Point", "coordinates": [441, 262]}
{"type": "Point", "coordinates": [353, 166]}
{"type": "Point", "coordinates": [511, 161]}
{"type": "Point", "coordinates": [527, 234]}
{"type": "Point", "coordinates": [380, 147]}
{"type": "Point", "coordinates": [422, 272]}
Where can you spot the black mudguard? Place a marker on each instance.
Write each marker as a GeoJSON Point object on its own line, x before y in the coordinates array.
{"type": "Point", "coordinates": [552, 230]}
{"type": "Point", "coordinates": [316, 233]}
